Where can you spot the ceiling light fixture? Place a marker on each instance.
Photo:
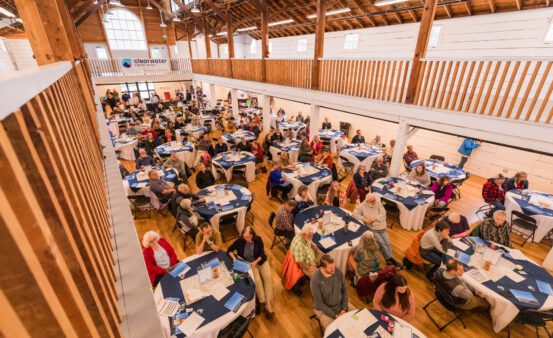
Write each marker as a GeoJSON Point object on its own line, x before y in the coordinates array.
{"type": "Point", "coordinates": [388, 2]}
{"type": "Point", "coordinates": [162, 24]}
{"type": "Point", "coordinates": [194, 8]}
{"type": "Point", "coordinates": [246, 29]}
{"type": "Point", "coordinates": [282, 22]}
{"type": "Point", "coordinates": [19, 20]}
{"type": "Point", "coordinates": [6, 12]}
{"type": "Point", "coordinates": [333, 12]}
{"type": "Point", "coordinates": [176, 18]}
{"type": "Point", "coordinates": [149, 6]}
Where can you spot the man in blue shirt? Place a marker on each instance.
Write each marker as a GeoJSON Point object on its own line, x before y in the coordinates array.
{"type": "Point", "coordinates": [278, 182]}
{"type": "Point", "coordinates": [466, 149]}
{"type": "Point", "coordinates": [144, 159]}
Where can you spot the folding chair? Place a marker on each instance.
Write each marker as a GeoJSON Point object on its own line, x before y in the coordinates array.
{"type": "Point", "coordinates": [458, 184]}
{"type": "Point", "coordinates": [537, 319]}
{"type": "Point", "coordinates": [140, 203]}
{"type": "Point", "coordinates": [437, 158]}
{"type": "Point", "coordinates": [221, 173]}
{"type": "Point", "coordinates": [433, 214]}
{"type": "Point", "coordinates": [316, 319]}
{"type": "Point", "coordinates": [239, 170]}
{"type": "Point", "coordinates": [277, 239]}
{"type": "Point", "coordinates": [484, 208]}
{"type": "Point", "coordinates": [322, 191]}
{"type": "Point", "coordinates": [227, 223]}
{"type": "Point", "coordinates": [447, 301]}
{"type": "Point", "coordinates": [347, 165]}
{"type": "Point", "coordinates": [523, 225]}
{"type": "Point", "coordinates": [391, 208]}
{"type": "Point", "coordinates": [238, 327]}
{"type": "Point", "coordinates": [191, 233]}
{"type": "Point", "coordinates": [250, 217]}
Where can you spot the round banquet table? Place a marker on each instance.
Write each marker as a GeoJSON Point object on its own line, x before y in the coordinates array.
{"type": "Point", "coordinates": [309, 174]}
{"type": "Point", "coordinates": [295, 126]}
{"type": "Point", "coordinates": [334, 230]}
{"type": "Point", "coordinates": [126, 145]}
{"type": "Point", "coordinates": [291, 147]}
{"type": "Point", "coordinates": [412, 199]}
{"type": "Point", "coordinates": [216, 316]}
{"type": "Point", "coordinates": [536, 204]}
{"type": "Point", "coordinates": [194, 131]}
{"type": "Point", "coordinates": [185, 151]}
{"type": "Point", "coordinates": [238, 135]}
{"type": "Point", "coordinates": [333, 136]}
{"type": "Point", "coordinates": [138, 183]}
{"type": "Point", "coordinates": [437, 169]}
{"type": "Point", "coordinates": [356, 320]}
{"type": "Point", "coordinates": [228, 160]}
{"type": "Point", "coordinates": [113, 124]}
{"type": "Point", "coordinates": [210, 118]}
{"type": "Point", "coordinates": [360, 154]}
{"type": "Point", "coordinates": [224, 199]}
{"type": "Point", "coordinates": [513, 273]}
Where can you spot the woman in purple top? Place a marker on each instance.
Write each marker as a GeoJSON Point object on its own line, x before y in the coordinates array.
{"type": "Point", "coordinates": [459, 226]}
{"type": "Point", "coordinates": [443, 191]}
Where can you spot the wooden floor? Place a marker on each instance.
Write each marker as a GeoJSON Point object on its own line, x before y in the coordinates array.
{"type": "Point", "coordinates": [292, 312]}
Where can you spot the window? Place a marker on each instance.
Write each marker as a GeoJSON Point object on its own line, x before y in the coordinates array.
{"type": "Point", "coordinates": [351, 41]}
{"type": "Point", "coordinates": [270, 47]}
{"type": "Point", "coordinates": [101, 53]}
{"type": "Point", "coordinates": [302, 45]}
{"type": "Point", "coordinates": [253, 49]}
{"type": "Point", "coordinates": [549, 33]}
{"type": "Point", "coordinates": [143, 87]}
{"type": "Point", "coordinates": [434, 36]}
{"type": "Point", "coordinates": [3, 45]}
{"type": "Point", "coordinates": [225, 49]}
{"type": "Point", "coordinates": [124, 30]}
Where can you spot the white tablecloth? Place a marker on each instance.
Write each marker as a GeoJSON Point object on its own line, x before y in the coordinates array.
{"type": "Point", "coordinates": [241, 221]}
{"type": "Point", "coordinates": [183, 153]}
{"type": "Point", "coordinates": [194, 131]}
{"type": "Point", "coordinates": [293, 153]}
{"type": "Point", "coordinates": [295, 126]}
{"type": "Point", "coordinates": [212, 329]}
{"type": "Point", "coordinates": [544, 223]}
{"type": "Point", "coordinates": [250, 168]}
{"type": "Point", "coordinates": [296, 183]}
{"type": "Point", "coordinates": [367, 162]}
{"type": "Point", "coordinates": [127, 149]}
{"type": "Point", "coordinates": [410, 219]}
{"type": "Point", "coordinates": [335, 141]}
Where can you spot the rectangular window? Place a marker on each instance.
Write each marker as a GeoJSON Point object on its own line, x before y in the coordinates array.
{"type": "Point", "coordinates": [549, 33]}
{"type": "Point", "coordinates": [351, 41]}
{"type": "Point", "coordinates": [302, 45]}
{"type": "Point", "coordinates": [434, 36]}
{"type": "Point", "coordinates": [101, 53]}
{"type": "Point", "coordinates": [253, 48]}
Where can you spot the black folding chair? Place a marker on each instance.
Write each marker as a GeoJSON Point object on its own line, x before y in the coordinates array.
{"type": "Point", "coordinates": [227, 224]}
{"type": "Point", "coordinates": [186, 234]}
{"type": "Point", "coordinates": [458, 184]}
{"type": "Point", "coordinates": [140, 203]}
{"type": "Point", "coordinates": [316, 319]}
{"type": "Point", "coordinates": [391, 208]}
{"type": "Point", "coordinates": [250, 217]}
{"type": "Point", "coordinates": [537, 319]}
{"type": "Point", "coordinates": [433, 214]}
{"type": "Point", "coordinates": [523, 225]}
{"type": "Point", "coordinates": [446, 300]}
{"type": "Point", "coordinates": [277, 239]}
{"type": "Point", "coordinates": [437, 158]}
{"type": "Point", "coordinates": [221, 173]}
{"type": "Point", "coordinates": [483, 209]}
{"type": "Point", "coordinates": [239, 170]}
{"type": "Point", "coordinates": [322, 191]}
{"type": "Point", "coordinates": [347, 165]}
{"type": "Point", "coordinates": [237, 328]}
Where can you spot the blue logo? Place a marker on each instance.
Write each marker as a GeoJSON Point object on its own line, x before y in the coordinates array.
{"type": "Point", "coordinates": [127, 63]}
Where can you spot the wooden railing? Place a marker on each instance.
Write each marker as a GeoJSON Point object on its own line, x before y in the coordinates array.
{"type": "Point", "coordinates": [128, 67]}
{"type": "Point", "coordinates": [58, 275]}
{"type": "Point", "coordinates": [518, 89]}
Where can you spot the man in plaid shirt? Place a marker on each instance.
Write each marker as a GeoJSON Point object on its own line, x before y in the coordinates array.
{"type": "Point", "coordinates": [496, 229]}
{"type": "Point", "coordinates": [494, 191]}
{"type": "Point", "coordinates": [305, 251]}
{"type": "Point", "coordinates": [285, 220]}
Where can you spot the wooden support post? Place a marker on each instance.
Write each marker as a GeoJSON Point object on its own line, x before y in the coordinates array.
{"type": "Point", "coordinates": [425, 28]}
{"type": "Point", "coordinates": [319, 43]}
{"type": "Point", "coordinates": [230, 41]}
{"type": "Point", "coordinates": [264, 38]}
{"type": "Point", "coordinates": [207, 41]}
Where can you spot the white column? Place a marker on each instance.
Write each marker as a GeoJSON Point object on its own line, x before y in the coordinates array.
{"type": "Point", "coordinates": [265, 102]}
{"type": "Point", "coordinates": [234, 101]}
{"type": "Point", "coordinates": [396, 167]}
{"type": "Point", "coordinates": [314, 120]}
{"type": "Point", "coordinates": [212, 98]}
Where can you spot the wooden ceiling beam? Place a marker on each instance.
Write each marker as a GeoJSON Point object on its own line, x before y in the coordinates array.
{"type": "Point", "coordinates": [447, 11]}
{"type": "Point", "coordinates": [363, 9]}
{"type": "Point", "coordinates": [492, 5]}
{"type": "Point", "coordinates": [359, 23]}
{"type": "Point", "coordinates": [398, 17]}
{"type": "Point", "coordinates": [81, 17]}
{"type": "Point", "coordinates": [519, 4]}
{"type": "Point", "coordinates": [468, 7]}
{"type": "Point", "coordinates": [217, 11]}
{"type": "Point", "coordinates": [413, 15]}
{"type": "Point", "coordinates": [319, 43]}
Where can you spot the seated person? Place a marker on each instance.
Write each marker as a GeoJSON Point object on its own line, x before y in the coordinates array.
{"type": "Point", "coordinates": [330, 292]}
{"type": "Point", "coordinates": [316, 145]}
{"type": "Point", "coordinates": [258, 152]}
{"type": "Point", "coordinates": [494, 191]}
{"type": "Point", "coordinates": [379, 169]}
{"type": "Point", "coordinates": [243, 145]}
{"type": "Point", "coordinates": [187, 218]}
{"type": "Point", "coordinates": [377, 142]}
{"type": "Point", "coordinates": [395, 298]}
{"type": "Point", "coordinates": [434, 244]}
{"type": "Point", "coordinates": [305, 252]}
{"type": "Point", "coordinates": [365, 258]}
{"type": "Point", "coordinates": [267, 143]}
{"type": "Point", "coordinates": [450, 279]}
{"type": "Point", "coordinates": [443, 191]}
{"type": "Point", "coordinates": [373, 215]}
{"type": "Point", "coordinates": [163, 190]}
{"type": "Point", "coordinates": [284, 160]}
{"type": "Point", "coordinates": [150, 143]}
{"type": "Point", "coordinates": [325, 159]}
{"type": "Point", "coordinates": [362, 180]}
{"type": "Point", "coordinates": [420, 175]}
{"type": "Point", "coordinates": [327, 124]}
{"type": "Point", "coordinates": [303, 199]}
{"type": "Point", "coordinates": [335, 195]}
{"type": "Point", "coordinates": [250, 248]}
{"type": "Point", "coordinates": [174, 162]}
{"type": "Point", "coordinates": [208, 239]}
{"type": "Point", "coordinates": [204, 177]}
{"type": "Point", "coordinates": [284, 220]}
{"type": "Point", "coordinates": [159, 256]}
{"type": "Point", "coordinates": [458, 225]}
{"type": "Point", "coordinates": [132, 131]}
{"type": "Point", "coordinates": [288, 134]}
{"type": "Point", "coordinates": [519, 181]}
{"type": "Point", "coordinates": [277, 136]}
{"type": "Point", "coordinates": [305, 153]}
{"type": "Point", "coordinates": [300, 118]}
{"type": "Point", "coordinates": [278, 182]}
{"type": "Point", "coordinates": [220, 147]}
{"type": "Point", "coordinates": [144, 159]}
{"type": "Point", "coordinates": [184, 192]}
{"type": "Point", "coordinates": [168, 136]}
{"type": "Point", "coordinates": [496, 229]}
{"type": "Point", "coordinates": [390, 151]}
{"type": "Point", "coordinates": [358, 138]}
{"type": "Point", "coordinates": [410, 155]}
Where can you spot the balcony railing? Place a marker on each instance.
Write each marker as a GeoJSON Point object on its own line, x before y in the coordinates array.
{"type": "Point", "coordinates": [516, 89]}
{"type": "Point", "coordinates": [139, 67]}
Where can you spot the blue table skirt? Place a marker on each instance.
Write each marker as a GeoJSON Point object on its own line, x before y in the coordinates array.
{"type": "Point", "coordinates": [229, 164]}
{"type": "Point", "coordinates": [533, 273]}
{"type": "Point", "coordinates": [334, 134]}
{"type": "Point", "coordinates": [212, 309]}
{"type": "Point", "coordinates": [529, 209]}
{"type": "Point", "coordinates": [307, 180]}
{"type": "Point", "coordinates": [340, 236]}
{"type": "Point", "coordinates": [409, 202]}
{"type": "Point", "coordinates": [383, 321]}
{"type": "Point", "coordinates": [454, 174]}
{"type": "Point", "coordinates": [163, 151]}
{"type": "Point", "coordinates": [169, 175]}
{"type": "Point", "coordinates": [208, 212]}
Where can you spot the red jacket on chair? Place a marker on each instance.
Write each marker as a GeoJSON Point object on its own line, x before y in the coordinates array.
{"type": "Point", "coordinates": [151, 265]}
{"type": "Point", "coordinates": [291, 271]}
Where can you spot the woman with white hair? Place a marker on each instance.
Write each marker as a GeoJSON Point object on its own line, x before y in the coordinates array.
{"type": "Point", "coordinates": [186, 216]}
{"type": "Point", "coordinates": [365, 256]}
{"type": "Point", "coordinates": [159, 256]}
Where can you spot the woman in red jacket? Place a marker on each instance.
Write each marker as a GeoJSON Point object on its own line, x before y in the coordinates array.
{"type": "Point", "coordinates": [316, 145]}
{"type": "Point", "coordinates": [159, 256]}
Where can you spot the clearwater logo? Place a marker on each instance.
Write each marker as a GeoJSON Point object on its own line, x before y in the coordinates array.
{"type": "Point", "coordinates": [127, 63]}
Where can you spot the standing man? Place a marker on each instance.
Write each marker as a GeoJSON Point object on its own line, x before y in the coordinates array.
{"type": "Point", "coordinates": [466, 149]}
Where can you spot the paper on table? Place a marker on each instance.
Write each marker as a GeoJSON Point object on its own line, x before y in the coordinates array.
{"type": "Point", "coordinates": [491, 255]}
{"type": "Point", "coordinates": [382, 333]}
{"type": "Point", "coordinates": [363, 319]}
{"type": "Point", "coordinates": [494, 274]}
{"type": "Point", "coordinates": [402, 331]}
{"type": "Point", "coordinates": [515, 277]}
{"type": "Point", "coordinates": [219, 291]}
{"type": "Point", "coordinates": [349, 331]}
{"type": "Point", "coordinates": [167, 307]}
{"type": "Point", "coordinates": [327, 242]}
{"type": "Point", "coordinates": [141, 184]}
{"type": "Point", "coordinates": [516, 254]}
{"type": "Point", "coordinates": [191, 324]}
{"type": "Point", "coordinates": [461, 245]}
{"type": "Point", "coordinates": [353, 226]}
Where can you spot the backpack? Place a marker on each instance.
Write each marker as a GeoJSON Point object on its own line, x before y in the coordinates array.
{"type": "Point", "coordinates": [366, 287]}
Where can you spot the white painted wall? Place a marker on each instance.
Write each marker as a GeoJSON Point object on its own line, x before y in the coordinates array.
{"type": "Point", "coordinates": [6, 63]}
{"type": "Point", "coordinates": [21, 53]}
